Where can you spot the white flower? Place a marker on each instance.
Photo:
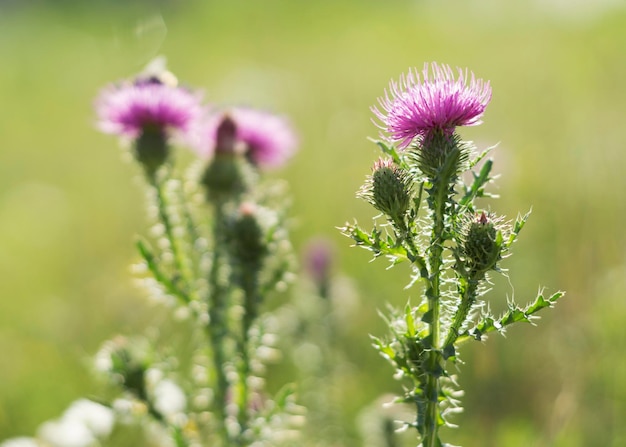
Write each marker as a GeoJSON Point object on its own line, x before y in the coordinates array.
{"type": "Point", "coordinates": [98, 418]}
{"type": "Point", "coordinates": [20, 442]}
{"type": "Point", "coordinates": [66, 432]}
{"type": "Point", "coordinates": [80, 426]}
{"type": "Point", "coordinates": [169, 398]}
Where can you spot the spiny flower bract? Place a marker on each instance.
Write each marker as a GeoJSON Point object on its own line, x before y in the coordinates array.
{"type": "Point", "coordinates": [416, 106]}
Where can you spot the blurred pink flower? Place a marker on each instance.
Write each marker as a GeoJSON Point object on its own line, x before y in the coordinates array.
{"type": "Point", "coordinates": [130, 108]}
{"type": "Point", "coordinates": [267, 140]}
{"type": "Point", "coordinates": [416, 106]}
{"type": "Point", "coordinates": [318, 259]}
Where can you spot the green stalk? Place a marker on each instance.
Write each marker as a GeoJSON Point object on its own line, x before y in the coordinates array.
{"type": "Point", "coordinates": [250, 286]}
{"type": "Point", "coordinates": [441, 183]}
{"type": "Point", "coordinates": [433, 294]}
{"type": "Point", "coordinates": [217, 328]}
{"type": "Point", "coordinates": [180, 262]}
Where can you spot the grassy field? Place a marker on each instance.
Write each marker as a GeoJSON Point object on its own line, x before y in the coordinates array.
{"type": "Point", "coordinates": [70, 207]}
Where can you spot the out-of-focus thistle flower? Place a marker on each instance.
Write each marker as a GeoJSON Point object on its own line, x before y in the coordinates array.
{"type": "Point", "coordinates": [150, 113]}
{"type": "Point", "coordinates": [388, 189]}
{"type": "Point", "coordinates": [129, 109]}
{"type": "Point", "coordinates": [267, 140]}
{"type": "Point", "coordinates": [318, 258]}
{"type": "Point", "coordinates": [435, 102]}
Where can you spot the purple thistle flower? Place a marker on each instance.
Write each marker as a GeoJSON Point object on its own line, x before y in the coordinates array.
{"type": "Point", "coordinates": [266, 139]}
{"type": "Point", "coordinates": [130, 109]}
{"type": "Point", "coordinates": [418, 106]}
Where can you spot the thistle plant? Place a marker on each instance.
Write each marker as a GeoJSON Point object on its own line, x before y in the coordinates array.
{"type": "Point", "coordinates": [217, 248]}
{"type": "Point", "coordinates": [432, 221]}
{"type": "Point", "coordinates": [221, 249]}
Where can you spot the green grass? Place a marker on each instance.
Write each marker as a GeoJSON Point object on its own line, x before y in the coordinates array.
{"type": "Point", "coordinates": [69, 207]}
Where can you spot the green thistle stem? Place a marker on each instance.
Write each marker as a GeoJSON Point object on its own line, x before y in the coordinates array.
{"type": "Point", "coordinates": [217, 328]}
{"type": "Point", "coordinates": [180, 262]}
{"type": "Point", "coordinates": [441, 187]}
{"type": "Point", "coordinates": [250, 286]}
{"type": "Point", "coordinates": [433, 294]}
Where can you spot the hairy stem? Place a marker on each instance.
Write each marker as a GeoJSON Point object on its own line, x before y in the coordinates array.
{"type": "Point", "coordinates": [250, 285]}
{"type": "Point", "coordinates": [181, 264]}
{"type": "Point", "coordinates": [217, 327]}
{"type": "Point", "coordinates": [442, 186]}
{"type": "Point", "coordinates": [433, 294]}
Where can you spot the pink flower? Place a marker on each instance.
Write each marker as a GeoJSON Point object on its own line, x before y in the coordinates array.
{"type": "Point", "coordinates": [130, 109]}
{"type": "Point", "coordinates": [415, 107]}
{"type": "Point", "coordinates": [266, 139]}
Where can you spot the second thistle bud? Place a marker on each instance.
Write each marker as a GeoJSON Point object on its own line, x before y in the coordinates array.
{"type": "Point", "coordinates": [225, 177]}
{"type": "Point", "coordinates": [249, 241]}
{"type": "Point", "coordinates": [388, 189]}
{"type": "Point", "coordinates": [482, 244]}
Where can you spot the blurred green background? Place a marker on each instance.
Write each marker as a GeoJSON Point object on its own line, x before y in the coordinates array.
{"type": "Point", "coordinates": [70, 207]}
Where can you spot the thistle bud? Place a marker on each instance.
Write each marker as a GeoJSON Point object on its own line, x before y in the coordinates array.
{"type": "Point", "coordinates": [248, 236]}
{"type": "Point", "coordinates": [482, 244]}
{"type": "Point", "coordinates": [227, 176]}
{"type": "Point", "coordinates": [388, 189]}
{"type": "Point", "coordinates": [226, 136]}
{"type": "Point", "coordinates": [151, 149]}
{"type": "Point", "coordinates": [125, 362]}
{"type": "Point", "coordinates": [441, 155]}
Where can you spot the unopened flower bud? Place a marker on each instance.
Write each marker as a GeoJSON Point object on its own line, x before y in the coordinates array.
{"type": "Point", "coordinates": [249, 244]}
{"type": "Point", "coordinates": [126, 363]}
{"type": "Point", "coordinates": [482, 244]}
{"type": "Point", "coordinates": [227, 176]}
{"type": "Point", "coordinates": [388, 189]}
{"type": "Point", "coordinates": [224, 177]}
{"type": "Point", "coordinates": [226, 136]}
{"type": "Point", "coordinates": [151, 149]}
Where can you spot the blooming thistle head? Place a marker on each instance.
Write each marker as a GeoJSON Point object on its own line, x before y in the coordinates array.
{"type": "Point", "coordinates": [388, 189]}
{"type": "Point", "coordinates": [267, 140]}
{"type": "Point", "coordinates": [149, 112]}
{"type": "Point", "coordinates": [433, 103]}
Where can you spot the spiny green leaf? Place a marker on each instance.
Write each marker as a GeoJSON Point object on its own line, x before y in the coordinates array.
{"type": "Point", "coordinates": [477, 187]}
{"type": "Point", "coordinates": [389, 150]}
{"type": "Point", "coordinates": [517, 227]}
{"type": "Point", "coordinates": [482, 155]}
{"type": "Point", "coordinates": [283, 396]}
{"type": "Point", "coordinates": [410, 322]}
{"type": "Point", "coordinates": [428, 317]}
{"type": "Point", "coordinates": [513, 315]}
{"type": "Point", "coordinates": [169, 284]}
{"type": "Point", "coordinates": [541, 302]}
